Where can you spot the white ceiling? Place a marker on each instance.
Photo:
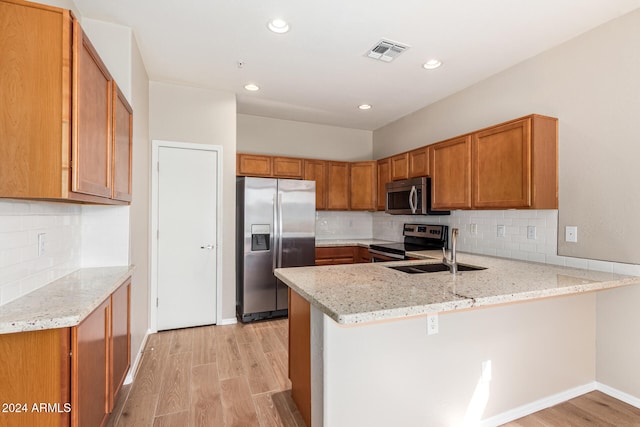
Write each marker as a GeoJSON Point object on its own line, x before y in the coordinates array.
{"type": "Point", "coordinates": [318, 72]}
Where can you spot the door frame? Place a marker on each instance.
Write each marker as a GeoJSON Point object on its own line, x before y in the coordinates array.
{"type": "Point", "coordinates": [153, 294]}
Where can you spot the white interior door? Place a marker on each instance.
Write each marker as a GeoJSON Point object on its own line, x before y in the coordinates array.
{"type": "Point", "coordinates": [186, 256]}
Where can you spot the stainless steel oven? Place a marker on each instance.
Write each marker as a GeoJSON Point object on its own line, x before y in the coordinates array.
{"type": "Point", "coordinates": [410, 197]}
{"type": "Point", "coordinates": [417, 237]}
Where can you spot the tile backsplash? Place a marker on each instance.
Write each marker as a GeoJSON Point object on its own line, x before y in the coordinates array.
{"type": "Point", "coordinates": [22, 269]}
{"type": "Point", "coordinates": [481, 239]}
{"type": "Point", "coordinates": [75, 236]}
{"type": "Point", "coordinates": [343, 225]}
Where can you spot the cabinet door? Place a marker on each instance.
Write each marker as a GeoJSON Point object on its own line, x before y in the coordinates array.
{"type": "Point", "coordinates": [400, 167]}
{"type": "Point", "coordinates": [450, 165]}
{"type": "Point", "coordinates": [362, 176]}
{"type": "Point", "coordinates": [338, 186]}
{"type": "Point", "coordinates": [316, 170]}
{"type": "Point", "coordinates": [90, 369]}
{"type": "Point", "coordinates": [287, 167]}
{"type": "Point", "coordinates": [419, 162]}
{"type": "Point", "coordinates": [120, 347]}
{"type": "Point", "coordinates": [34, 368]}
{"type": "Point", "coordinates": [92, 120]}
{"type": "Point", "coordinates": [384, 176]}
{"type": "Point", "coordinates": [332, 255]}
{"type": "Point", "coordinates": [35, 107]}
{"type": "Point", "coordinates": [253, 165]}
{"type": "Point", "coordinates": [122, 146]}
{"type": "Point", "coordinates": [300, 354]}
{"type": "Point", "coordinates": [502, 166]}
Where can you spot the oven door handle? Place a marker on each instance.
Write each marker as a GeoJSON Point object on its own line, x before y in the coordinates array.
{"type": "Point", "coordinates": [387, 254]}
{"type": "Point", "coordinates": [413, 195]}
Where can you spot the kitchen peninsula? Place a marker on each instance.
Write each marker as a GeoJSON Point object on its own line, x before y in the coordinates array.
{"type": "Point", "coordinates": [503, 346]}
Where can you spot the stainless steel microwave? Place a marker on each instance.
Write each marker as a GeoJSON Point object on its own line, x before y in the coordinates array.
{"type": "Point", "coordinates": [410, 197]}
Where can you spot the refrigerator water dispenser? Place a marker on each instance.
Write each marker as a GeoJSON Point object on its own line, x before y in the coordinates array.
{"type": "Point", "coordinates": [260, 237]}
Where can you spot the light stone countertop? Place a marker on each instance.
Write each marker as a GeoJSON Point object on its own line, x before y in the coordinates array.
{"type": "Point", "coordinates": [361, 293]}
{"type": "Point", "coordinates": [328, 243]}
{"type": "Point", "coordinates": [64, 302]}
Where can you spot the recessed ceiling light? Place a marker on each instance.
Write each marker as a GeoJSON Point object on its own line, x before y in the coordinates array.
{"type": "Point", "coordinates": [432, 64]}
{"type": "Point", "coordinates": [252, 87]}
{"type": "Point", "coordinates": [278, 25]}
{"type": "Point", "coordinates": [364, 106]}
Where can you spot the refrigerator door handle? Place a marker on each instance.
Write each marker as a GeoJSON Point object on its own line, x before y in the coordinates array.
{"type": "Point", "coordinates": [279, 246]}
{"type": "Point", "coordinates": [275, 233]}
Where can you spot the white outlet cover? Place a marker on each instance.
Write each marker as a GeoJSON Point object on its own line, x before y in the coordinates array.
{"type": "Point", "coordinates": [531, 232]}
{"type": "Point", "coordinates": [501, 231]}
{"type": "Point", "coordinates": [571, 234]}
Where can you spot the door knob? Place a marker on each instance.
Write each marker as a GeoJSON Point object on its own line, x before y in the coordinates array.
{"type": "Point", "coordinates": [207, 247]}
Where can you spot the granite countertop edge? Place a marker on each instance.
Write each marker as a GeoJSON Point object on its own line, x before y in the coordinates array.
{"type": "Point", "coordinates": [344, 314]}
{"type": "Point", "coordinates": [65, 302]}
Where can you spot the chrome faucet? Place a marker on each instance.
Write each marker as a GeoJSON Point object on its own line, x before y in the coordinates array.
{"type": "Point", "coordinates": [451, 263]}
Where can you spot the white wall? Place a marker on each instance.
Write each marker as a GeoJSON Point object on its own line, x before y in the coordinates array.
{"type": "Point", "coordinates": [393, 373]}
{"type": "Point", "coordinates": [264, 135]}
{"type": "Point", "coordinates": [195, 115]}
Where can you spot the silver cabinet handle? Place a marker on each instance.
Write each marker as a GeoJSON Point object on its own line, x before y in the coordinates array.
{"type": "Point", "coordinates": [208, 247]}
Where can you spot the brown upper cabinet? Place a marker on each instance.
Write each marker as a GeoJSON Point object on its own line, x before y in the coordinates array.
{"type": "Point", "coordinates": [384, 176]}
{"type": "Point", "coordinates": [316, 170]}
{"type": "Point", "coordinates": [288, 167]}
{"type": "Point", "coordinates": [269, 166]}
{"type": "Point", "coordinates": [451, 173]}
{"type": "Point", "coordinates": [419, 162]}
{"type": "Point", "coordinates": [508, 166]}
{"type": "Point", "coordinates": [338, 186]}
{"type": "Point", "coordinates": [122, 146]}
{"type": "Point", "coordinates": [400, 167]}
{"type": "Point", "coordinates": [56, 123]}
{"type": "Point", "coordinates": [253, 165]}
{"type": "Point", "coordinates": [515, 165]}
{"type": "Point", "coordinates": [362, 185]}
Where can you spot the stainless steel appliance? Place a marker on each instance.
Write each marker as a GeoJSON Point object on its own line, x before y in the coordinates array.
{"type": "Point", "coordinates": [410, 197]}
{"type": "Point", "coordinates": [275, 227]}
{"type": "Point", "coordinates": [417, 237]}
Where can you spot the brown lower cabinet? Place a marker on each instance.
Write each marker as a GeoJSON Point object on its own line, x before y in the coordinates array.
{"type": "Point", "coordinates": [67, 376]}
{"type": "Point", "coordinates": [300, 354]}
{"type": "Point", "coordinates": [342, 255]}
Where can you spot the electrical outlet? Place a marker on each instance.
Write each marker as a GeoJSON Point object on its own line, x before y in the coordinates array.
{"type": "Point", "coordinates": [571, 233]}
{"type": "Point", "coordinates": [473, 228]}
{"type": "Point", "coordinates": [41, 244]}
{"type": "Point", "coordinates": [432, 324]}
{"type": "Point", "coordinates": [501, 231]}
{"type": "Point", "coordinates": [531, 232]}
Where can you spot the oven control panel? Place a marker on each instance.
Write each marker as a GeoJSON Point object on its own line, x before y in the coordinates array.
{"type": "Point", "coordinates": [435, 232]}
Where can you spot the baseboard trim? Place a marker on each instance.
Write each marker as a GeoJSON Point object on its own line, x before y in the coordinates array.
{"type": "Point", "coordinates": [227, 321]}
{"type": "Point", "coordinates": [538, 405]}
{"type": "Point", "coordinates": [133, 370]}
{"type": "Point", "coordinates": [620, 395]}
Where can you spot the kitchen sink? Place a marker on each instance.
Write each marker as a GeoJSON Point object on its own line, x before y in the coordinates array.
{"type": "Point", "coordinates": [433, 268]}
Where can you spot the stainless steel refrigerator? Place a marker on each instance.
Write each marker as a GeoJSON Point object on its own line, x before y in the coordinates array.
{"type": "Point", "coordinates": [275, 227]}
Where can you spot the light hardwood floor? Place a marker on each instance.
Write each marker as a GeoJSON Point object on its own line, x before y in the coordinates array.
{"type": "Point", "coordinates": [222, 376]}
{"type": "Point", "coordinates": [591, 409]}
{"type": "Point", "coordinates": [236, 376]}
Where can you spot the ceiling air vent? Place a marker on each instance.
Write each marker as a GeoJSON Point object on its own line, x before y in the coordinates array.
{"type": "Point", "coordinates": [386, 50]}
